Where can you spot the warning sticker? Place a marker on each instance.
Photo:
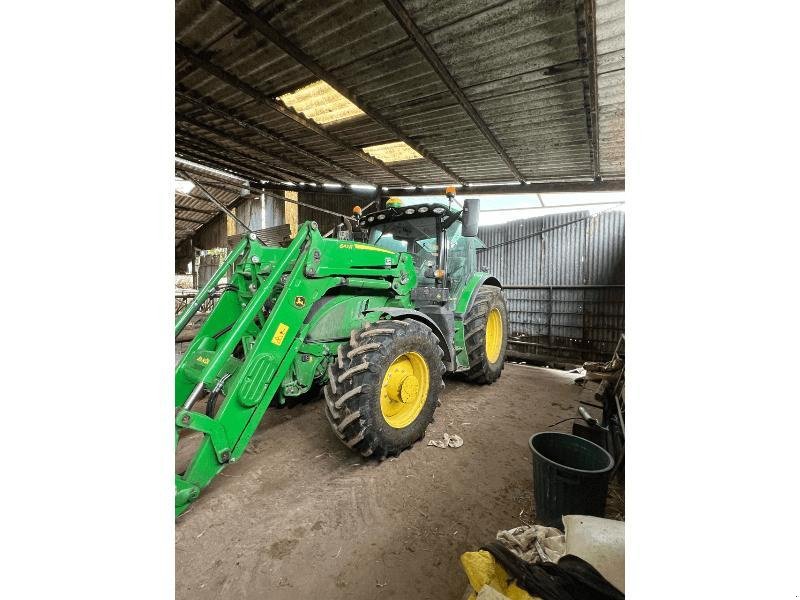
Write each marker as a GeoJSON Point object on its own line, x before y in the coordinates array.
{"type": "Point", "coordinates": [280, 333]}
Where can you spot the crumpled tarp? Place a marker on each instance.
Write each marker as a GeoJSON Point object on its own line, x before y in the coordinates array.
{"type": "Point", "coordinates": [534, 543]}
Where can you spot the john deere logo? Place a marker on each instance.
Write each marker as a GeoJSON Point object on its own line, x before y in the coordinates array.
{"type": "Point", "coordinates": [299, 301]}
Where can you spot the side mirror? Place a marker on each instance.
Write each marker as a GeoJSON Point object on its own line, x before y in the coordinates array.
{"type": "Point", "coordinates": [469, 217]}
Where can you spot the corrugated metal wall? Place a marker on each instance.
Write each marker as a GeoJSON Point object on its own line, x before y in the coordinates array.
{"type": "Point", "coordinates": [564, 286]}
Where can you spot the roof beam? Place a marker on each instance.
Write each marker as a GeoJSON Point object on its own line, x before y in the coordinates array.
{"type": "Point", "coordinates": [401, 14]}
{"type": "Point", "coordinates": [265, 133]}
{"type": "Point", "coordinates": [273, 171]}
{"type": "Point", "coordinates": [609, 185]}
{"type": "Point", "coordinates": [305, 171]}
{"type": "Point", "coordinates": [249, 90]}
{"type": "Point", "coordinates": [258, 187]}
{"type": "Point", "coordinates": [223, 180]}
{"type": "Point", "coordinates": [209, 156]}
{"type": "Point", "coordinates": [184, 208]}
{"type": "Point", "coordinates": [587, 49]}
{"type": "Point", "coordinates": [177, 218]}
{"type": "Point", "coordinates": [243, 11]}
{"type": "Point", "coordinates": [191, 150]}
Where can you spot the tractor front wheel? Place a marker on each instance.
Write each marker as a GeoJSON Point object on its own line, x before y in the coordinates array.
{"type": "Point", "coordinates": [383, 387]}
{"type": "Point", "coordinates": [486, 335]}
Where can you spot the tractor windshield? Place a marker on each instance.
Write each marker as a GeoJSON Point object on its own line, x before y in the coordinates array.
{"type": "Point", "coordinates": [415, 236]}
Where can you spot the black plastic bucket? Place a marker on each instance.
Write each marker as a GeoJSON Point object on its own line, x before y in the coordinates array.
{"type": "Point", "coordinates": [570, 477]}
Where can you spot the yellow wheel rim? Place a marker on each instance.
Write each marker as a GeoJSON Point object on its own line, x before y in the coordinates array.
{"type": "Point", "coordinates": [494, 335]}
{"type": "Point", "coordinates": [404, 389]}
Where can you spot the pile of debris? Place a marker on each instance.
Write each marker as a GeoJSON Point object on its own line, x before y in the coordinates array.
{"type": "Point", "coordinates": [585, 562]}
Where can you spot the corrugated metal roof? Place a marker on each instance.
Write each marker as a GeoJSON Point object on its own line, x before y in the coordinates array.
{"type": "Point", "coordinates": [523, 65]}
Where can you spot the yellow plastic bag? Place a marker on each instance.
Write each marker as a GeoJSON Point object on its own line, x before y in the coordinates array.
{"type": "Point", "coordinates": [482, 570]}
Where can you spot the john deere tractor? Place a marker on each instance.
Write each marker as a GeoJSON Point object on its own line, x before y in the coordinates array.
{"type": "Point", "coordinates": [375, 323]}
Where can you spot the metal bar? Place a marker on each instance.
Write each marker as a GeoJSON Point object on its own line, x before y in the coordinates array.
{"type": "Point", "coordinates": [265, 133]}
{"type": "Point", "coordinates": [606, 185]}
{"type": "Point", "coordinates": [325, 210]}
{"type": "Point", "coordinates": [587, 48]}
{"type": "Point", "coordinates": [247, 89]}
{"type": "Point", "coordinates": [566, 348]}
{"type": "Point", "coordinates": [560, 287]}
{"type": "Point", "coordinates": [550, 318]}
{"type": "Point", "coordinates": [550, 206]}
{"type": "Point", "coordinates": [243, 11]}
{"type": "Point", "coordinates": [245, 144]}
{"type": "Point", "coordinates": [202, 295]}
{"type": "Point", "coordinates": [221, 206]}
{"type": "Point", "coordinates": [401, 14]}
{"type": "Point", "coordinates": [543, 231]}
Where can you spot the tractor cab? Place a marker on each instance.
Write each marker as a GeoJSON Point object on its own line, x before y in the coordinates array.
{"type": "Point", "coordinates": [441, 239]}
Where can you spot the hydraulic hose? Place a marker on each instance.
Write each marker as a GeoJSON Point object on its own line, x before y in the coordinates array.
{"type": "Point", "coordinates": [212, 398]}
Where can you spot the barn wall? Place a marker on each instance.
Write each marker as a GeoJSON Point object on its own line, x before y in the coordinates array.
{"type": "Point", "coordinates": [564, 280]}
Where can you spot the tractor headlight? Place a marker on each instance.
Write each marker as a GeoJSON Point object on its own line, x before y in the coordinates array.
{"type": "Point", "coordinates": [410, 211]}
{"type": "Point", "coordinates": [422, 209]}
{"type": "Point", "coordinates": [381, 217]}
{"type": "Point", "coordinates": [438, 210]}
{"type": "Point", "coordinates": [370, 219]}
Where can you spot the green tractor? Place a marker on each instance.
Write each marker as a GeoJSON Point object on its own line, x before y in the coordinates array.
{"type": "Point", "coordinates": [376, 323]}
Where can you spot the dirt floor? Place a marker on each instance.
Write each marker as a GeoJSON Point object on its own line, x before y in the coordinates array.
{"type": "Point", "coordinates": [301, 516]}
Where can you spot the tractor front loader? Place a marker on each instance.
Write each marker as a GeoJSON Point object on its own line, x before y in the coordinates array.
{"type": "Point", "coordinates": [375, 324]}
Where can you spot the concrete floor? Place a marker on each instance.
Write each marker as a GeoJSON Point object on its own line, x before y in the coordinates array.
{"type": "Point", "coordinates": [301, 516]}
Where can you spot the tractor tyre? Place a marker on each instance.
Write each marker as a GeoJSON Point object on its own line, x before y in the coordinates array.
{"type": "Point", "coordinates": [383, 387]}
{"type": "Point", "coordinates": [486, 335]}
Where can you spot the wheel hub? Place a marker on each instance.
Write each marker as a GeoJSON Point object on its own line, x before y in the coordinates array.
{"type": "Point", "coordinates": [404, 389]}
{"type": "Point", "coordinates": [494, 335]}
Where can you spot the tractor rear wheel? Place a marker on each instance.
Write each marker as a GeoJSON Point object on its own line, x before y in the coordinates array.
{"type": "Point", "coordinates": [486, 335]}
{"type": "Point", "coordinates": [384, 386]}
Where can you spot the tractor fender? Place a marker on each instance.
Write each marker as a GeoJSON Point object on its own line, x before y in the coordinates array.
{"type": "Point", "coordinates": [334, 317]}
{"type": "Point", "coordinates": [407, 313]}
{"type": "Point", "coordinates": [467, 297]}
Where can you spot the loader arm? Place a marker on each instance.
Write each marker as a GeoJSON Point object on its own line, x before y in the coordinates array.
{"type": "Point", "coordinates": [249, 342]}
